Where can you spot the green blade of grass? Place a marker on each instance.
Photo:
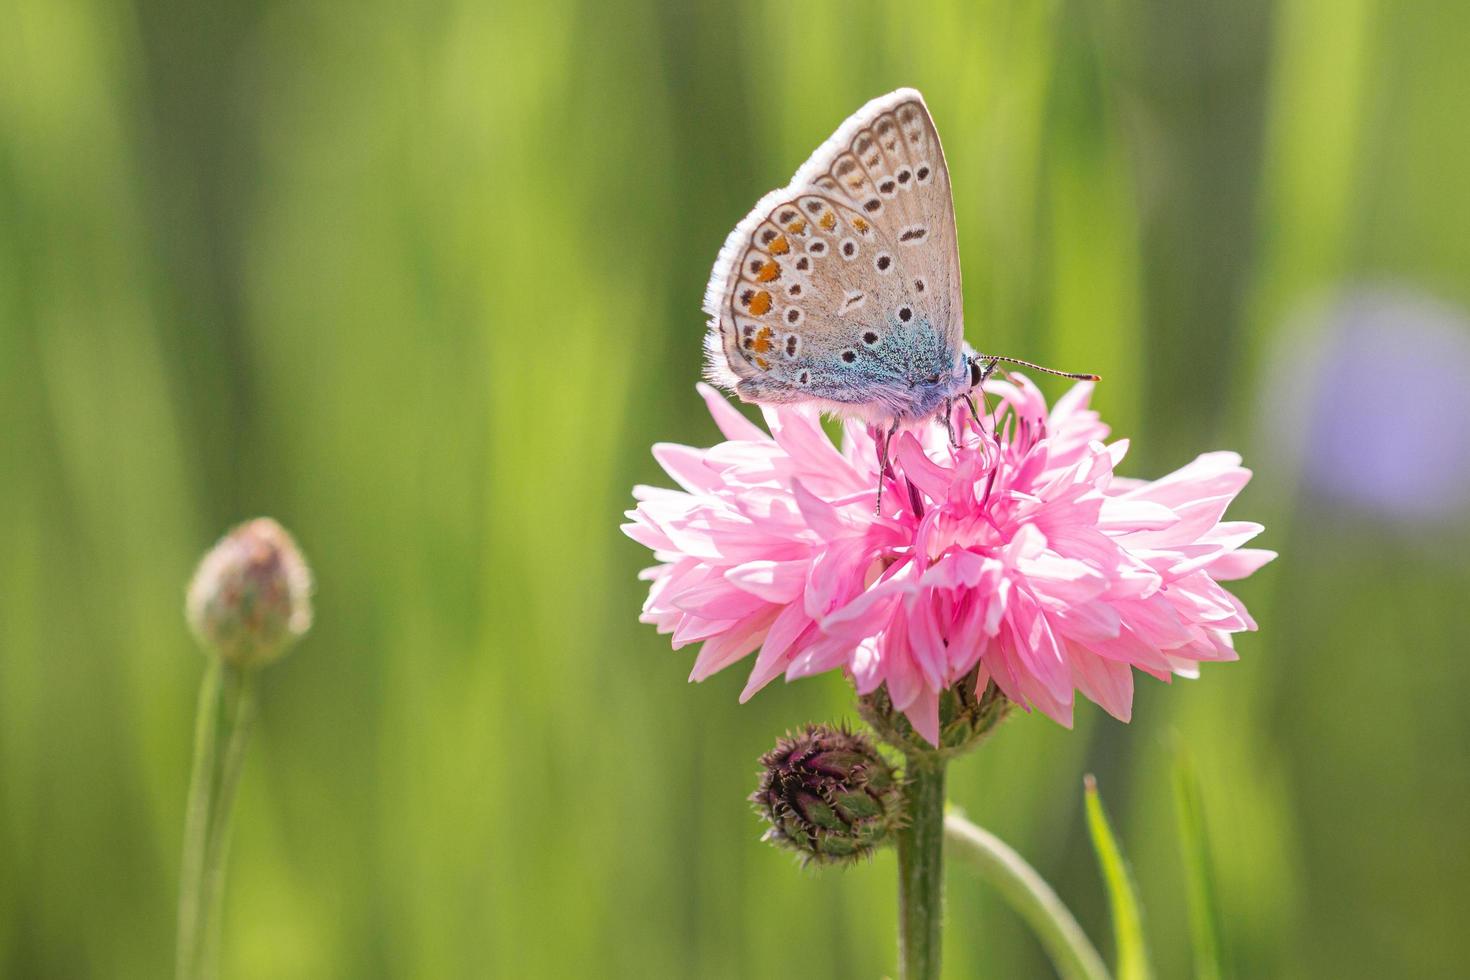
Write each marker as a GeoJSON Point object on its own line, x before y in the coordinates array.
{"type": "Point", "coordinates": [1122, 895]}
{"type": "Point", "coordinates": [1204, 917]}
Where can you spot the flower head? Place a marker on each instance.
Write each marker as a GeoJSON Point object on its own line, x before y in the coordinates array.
{"type": "Point", "coordinates": [828, 795]}
{"type": "Point", "coordinates": [250, 598]}
{"type": "Point", "coordinates": [1017, 557]}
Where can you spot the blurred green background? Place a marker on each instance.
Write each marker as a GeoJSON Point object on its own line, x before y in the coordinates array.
{"type": "Point", "coordinates": [422, 280]}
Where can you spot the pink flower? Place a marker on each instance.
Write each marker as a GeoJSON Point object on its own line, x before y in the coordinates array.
{"type": "Point", "coordinates": [1024, 555]}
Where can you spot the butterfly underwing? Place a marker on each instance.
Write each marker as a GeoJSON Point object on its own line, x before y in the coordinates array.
{"type": "Point", "coordinates": [843, 287]}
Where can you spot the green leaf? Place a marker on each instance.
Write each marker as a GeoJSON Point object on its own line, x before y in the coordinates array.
{"type": "Point", "coordinates": [1122, 895]}
{"type": "Point", "coordinates": [1204, 915]}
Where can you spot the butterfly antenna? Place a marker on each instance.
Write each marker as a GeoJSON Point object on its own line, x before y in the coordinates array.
{"type": "Point", "coordinates": [1038, 367]}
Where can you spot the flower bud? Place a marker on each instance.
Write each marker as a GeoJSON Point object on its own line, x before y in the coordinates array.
{"type": "Point", "coordinates": [966, 716]}
{"type": "Point", "coordinates": [250, 598]}
{"type": "Point", "coordinates": [828, 795]}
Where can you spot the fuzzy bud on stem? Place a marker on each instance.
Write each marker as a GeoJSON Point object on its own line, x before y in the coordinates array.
{"type": "Point", "coordinates": [250, 598]}
{"type": "Point", "coordinates": [828, 795]}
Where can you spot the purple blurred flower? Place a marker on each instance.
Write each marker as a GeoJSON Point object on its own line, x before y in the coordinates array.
{"type": "Point", "coordinates": [1405, 456]}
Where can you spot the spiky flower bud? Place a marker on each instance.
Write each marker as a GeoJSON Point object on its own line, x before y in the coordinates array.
{"type": "Point", "coordinates": [250, 598]}
{"type": "Point", "coordinates": [966, 716]}
{"type": "Point", "coordinates": [828, 795]}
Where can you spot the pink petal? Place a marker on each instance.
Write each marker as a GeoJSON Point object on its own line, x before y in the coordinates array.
{"type": "Point", "coordinates": [1084, 622]}
{"type": "Point", "coordinates": [867, 666]}
{"type": "Point", "coordinates": [1107, 682]}
{"type": "Point", "coordinates": [905, 683]}
{"type": "Point", "coordinates": [824, 654]}
{"type": "Point", "coordinates": [771, 662]}
{"type": "Point", "coordinates": [1123, 514]}
{"type": "Point", "coordinates": [1038, 648]}
{"type": "Point", "coordinates": [1211, 474]}
{"type": "Point", "coordinates": [926, 639]}
{"type": "Point", "coordinates": [1064, 579]}
{"type": "Point", "coordinates": [799, 432]}
{"type": "Point", "coordinates": [929, 477]}
{"type": "Point", "coordinates": [649, 537]}
{"type": "Point", "coordinates": [836, 574]}
{"type": "Point", "coordinates": [967, 640]}
{"type": "Point", "coordinates": [923, 714]}
{"type": "Point", "coordinates": [693, 629]}
{"type": "Point", "coordinates": [1238, 564]}
{"type": "Point", "coordinates": [773, 581]}
{"type": "Point", "coordinates": [687, 466]}
{"type": "Point", "coordinates": [723, 650]}
{"type": "Point", "coordinates": [718, 600]}
{"type": "Point", "coordinates": [827, 521]}
{"type": "Point", "coordinates": [734, 425]}
{"type": "Point", "coordinates": [866, 614]}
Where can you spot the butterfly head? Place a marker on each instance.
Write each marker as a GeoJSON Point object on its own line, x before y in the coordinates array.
{"type": "Point", "coordinates": [975, 371]}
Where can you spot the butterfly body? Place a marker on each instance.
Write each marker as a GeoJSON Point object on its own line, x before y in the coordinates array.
{"type": "Point", "coordinates": [843, 288]}
{"type": "Point", "coordinates": [905, 376]}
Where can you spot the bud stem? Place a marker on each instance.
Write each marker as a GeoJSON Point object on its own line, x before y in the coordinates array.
{"type": "Point", "coordinates": [222, 729]}
{"type": "Point", "coordinates": [1071, 952]}
{"type": "Point", "coordinates": [921, 870]}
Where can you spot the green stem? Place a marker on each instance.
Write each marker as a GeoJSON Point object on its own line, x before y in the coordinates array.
{"type": "Point", "coordinates": [196, 821]}
{"type": "Point", "coordinates": [1030, 896]}
{"type": "Point", "coordinates": [921, 870]}
{"type": "Point", "coordinates": [221, 732]}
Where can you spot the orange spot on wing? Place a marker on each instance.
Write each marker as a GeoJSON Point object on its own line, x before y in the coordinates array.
{"type": "Point", "coordinates": [762, 363]}
{"type": "Point", "coordinates": [861, 224]}
{"type": "Point", "coordinates": [779, 245]}
{"type": "Point", "coordinates": [760, 303]}
{"type": "Point", "coordinates": [763, 343]}
{"type": "Point", "coordinates": [829, 221]}
{"type": "Point", "coordinates": [797, 227]}
{"type": "Point", "coordinates": [768, 272]}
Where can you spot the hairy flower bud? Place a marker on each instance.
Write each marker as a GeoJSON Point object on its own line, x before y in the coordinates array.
{"type": "Point", "coordinates": [966, 716]}
{"type": "Point", "coordinates": [250, 598]}
{"type": "Point", "coordinates": [828, 795]}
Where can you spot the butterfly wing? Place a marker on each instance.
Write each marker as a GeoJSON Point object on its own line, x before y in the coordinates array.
{"type": "Point", "coordinates": [844, 286]}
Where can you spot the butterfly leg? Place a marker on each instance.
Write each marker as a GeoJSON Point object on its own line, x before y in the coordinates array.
{"type": "Point", "coordinates": [885, 469]}
{"type": "Point", "coordinates": [946, 412]}
{"type": "Point", "coordinates": [974, 412]}
{"type": "Point", "coordinates": [979, 385]}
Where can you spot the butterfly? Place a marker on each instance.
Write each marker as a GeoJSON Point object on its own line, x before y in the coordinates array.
{"type": "Point", "coordinates": [842, 288]}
